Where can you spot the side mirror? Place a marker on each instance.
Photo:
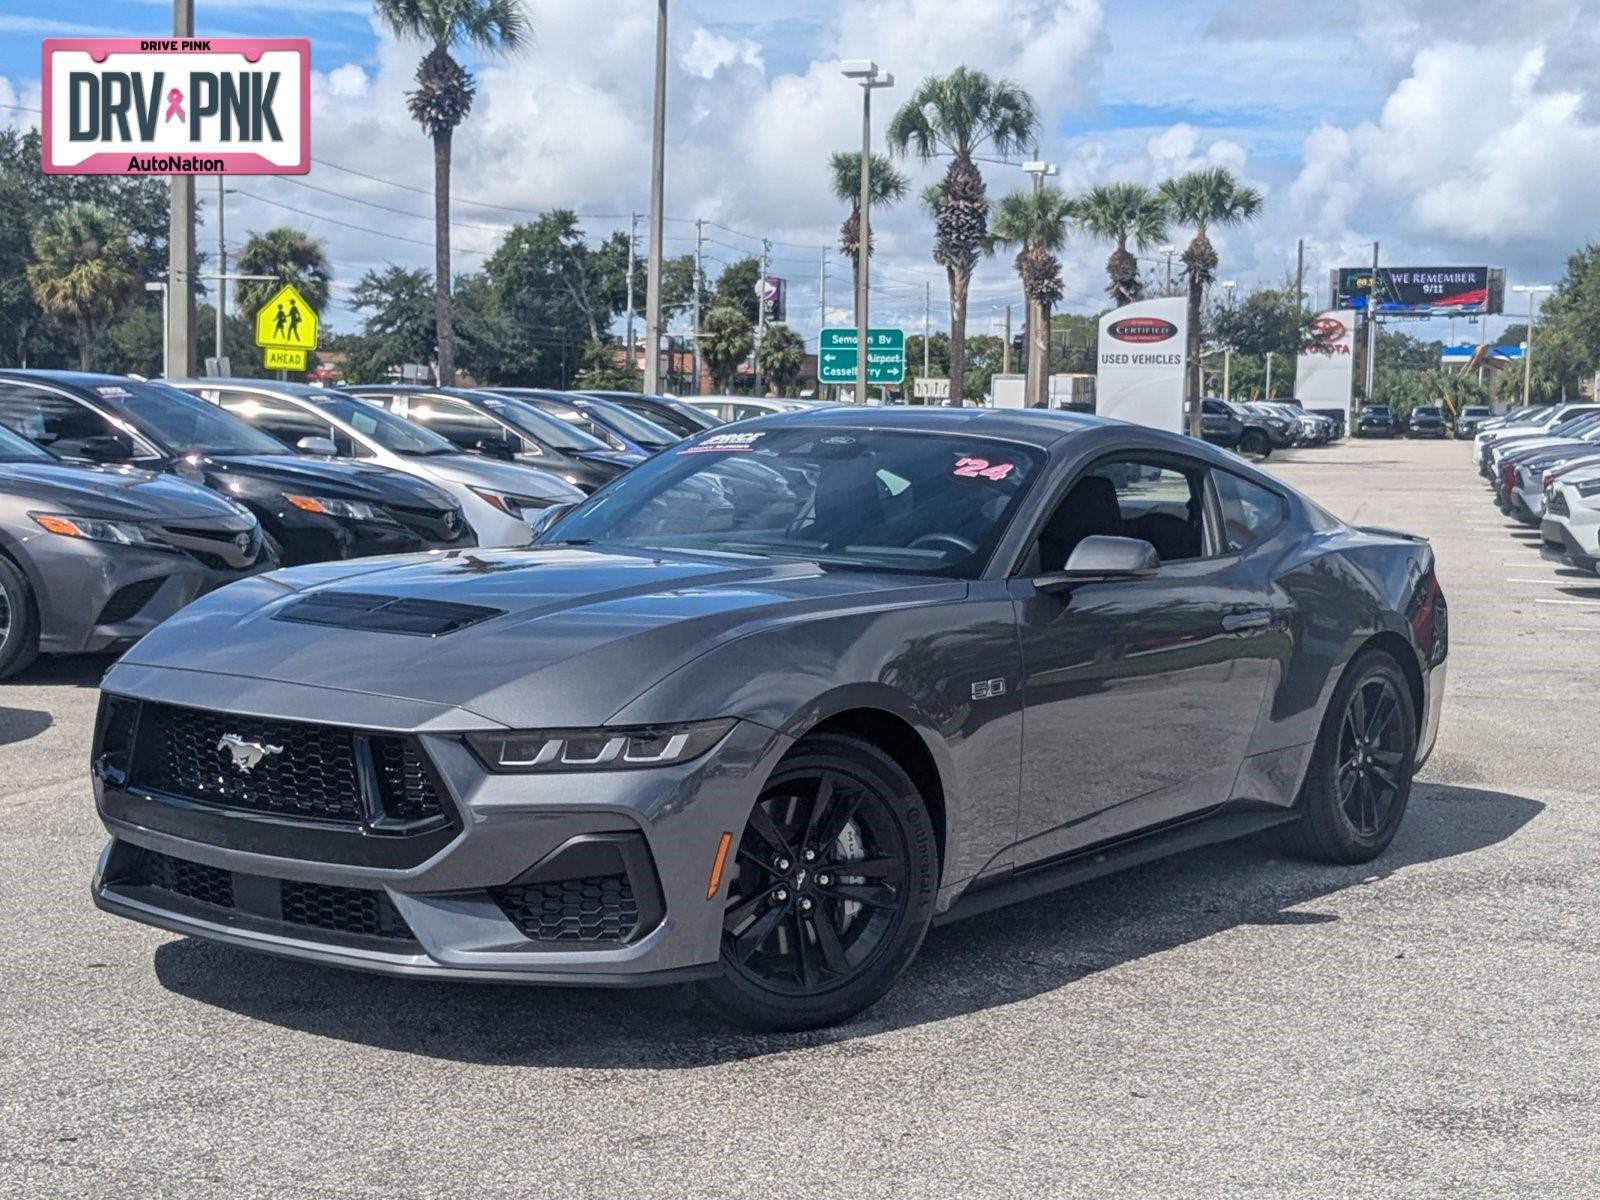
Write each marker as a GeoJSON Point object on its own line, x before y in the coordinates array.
{"type": "Point", "coordinates": [108, 447]}
{"type": "Point", "coordinates": [547, 517]}
{"type": "Point", "coordinates": [321, 446]}
{"type": "Point", "coordinates": [495, 448]}
{"type": "Point", "coordinates": [1102, 559]}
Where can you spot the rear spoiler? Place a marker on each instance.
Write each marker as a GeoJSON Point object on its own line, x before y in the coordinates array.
{"type": "Point", "coordinates": [1380, 531]}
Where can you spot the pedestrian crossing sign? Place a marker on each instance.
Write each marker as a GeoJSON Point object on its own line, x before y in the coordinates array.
{"type": "Point", "coordinates": [286, 322]}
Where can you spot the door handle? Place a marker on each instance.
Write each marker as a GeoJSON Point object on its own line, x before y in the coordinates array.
{"type": "Point", "coordinates": [1245, 619]}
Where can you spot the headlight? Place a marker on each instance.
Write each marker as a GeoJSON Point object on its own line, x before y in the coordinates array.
{"type": "Point", "coordinates": [120, 533]}
{"type": "Point", "coordinates": [353, 510]}
{"type": "Point", "coordinates": [513, 506]}
{"type": "Point", "coordinates": [1591, 488]}
{"type": "Point", "coordinates": [623, 748]}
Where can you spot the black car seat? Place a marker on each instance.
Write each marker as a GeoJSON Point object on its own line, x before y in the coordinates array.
{"type": "Point", "coordinates": [1089, 509]}
{"type": "Point", "coordinates": [848, 503]}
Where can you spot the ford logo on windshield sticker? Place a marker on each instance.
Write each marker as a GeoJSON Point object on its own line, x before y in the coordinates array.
{"type": "Point", "coordinates": [1142, 329]}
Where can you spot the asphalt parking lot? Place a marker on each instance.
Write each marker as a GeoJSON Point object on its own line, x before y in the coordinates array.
{"type": "Point", "coordinates": [1229, 1023]}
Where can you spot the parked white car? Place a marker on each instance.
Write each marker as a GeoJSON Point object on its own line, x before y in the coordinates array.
{"type": "Point", "coordinates": [500, 500]}
{"type": "Point", "coordinates": [742, 408]}
{"type": "Point", "coordinates": [1570, 530]}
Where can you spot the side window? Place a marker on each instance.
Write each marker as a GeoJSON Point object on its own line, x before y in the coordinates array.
{"type": "Point", "coordinates": [1213, 408]}
{"type": "Point", "coordinates": [1250, 512]}
{"type": "Point", "coordinates": [1150, 501]}
{"type": "Point", "coordinates": [453, 419]}
{"type": "Point", "coordinates": [56, 422]}
{"type": "Point", "coordinates": [286, 422]}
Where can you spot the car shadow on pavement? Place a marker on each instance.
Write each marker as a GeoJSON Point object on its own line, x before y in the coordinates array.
{"type": "Point", "coordinates": [21, 724]}
{"type": "Point", "coordinates": [64, 670]}
{"type": "Point", "coordinates": [996, 959]}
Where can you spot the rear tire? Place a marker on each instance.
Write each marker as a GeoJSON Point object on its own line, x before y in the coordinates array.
{"type": "Point", "coordinates": [1253, 441]}
{"type": "Point", "coordinates": [19, 621]}
{"type": "Point", "coordinates": [833, 890]}
{"type": "Point", "coordinates": [1359, 782]}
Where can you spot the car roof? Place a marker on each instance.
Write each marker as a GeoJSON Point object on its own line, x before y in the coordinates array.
{"type": "Point", "coordinates": [1040, 427]}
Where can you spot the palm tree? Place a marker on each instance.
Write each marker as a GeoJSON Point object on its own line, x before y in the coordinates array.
{"type": "Point", "coordinates": [888, 184]}
{"type": "Point", "coordinates": [1205, 198]}
{"type": "Point", "coordinates": [781, 357]}
{"type": "Point", "coordinates": [1035, 220]}
{"type": "Point", "coordinates": [1118, 212]}
{"type": "Point", "coordinates": [442, 101]}
{"type": "Point", "coordinates": [291, 257]}
{"type": "Point", "coordinates": [83, 269]}
{"type": "Point", "coordinates": [726, 339]}
{"type": "Point", "coordinates": [959, 114]}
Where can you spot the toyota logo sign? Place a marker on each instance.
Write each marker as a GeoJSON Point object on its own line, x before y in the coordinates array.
{"type": "Point", "coordinates": [1142, 329]}
{"type": "Point", "coordinates": [1327, 329]}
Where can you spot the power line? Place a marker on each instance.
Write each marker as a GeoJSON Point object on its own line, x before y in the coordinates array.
{"type": "Point", "coordinates": [396, 237]}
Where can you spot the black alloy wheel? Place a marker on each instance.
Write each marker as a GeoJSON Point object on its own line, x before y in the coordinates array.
{"type": "Point", "coordinates": [831, 891]}
{"type": "Point", "coordinates": [1358, 783]}
{"type": "Point", "coordinates": [19, 621]}
{"type": "Point", "coordinates": [1255, 442]}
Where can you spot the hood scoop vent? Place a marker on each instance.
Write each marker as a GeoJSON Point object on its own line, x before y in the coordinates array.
{"type": "Point", "coordinates": [384, 614]}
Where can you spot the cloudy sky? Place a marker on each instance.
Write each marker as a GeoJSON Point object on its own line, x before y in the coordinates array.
{"type": "Point", "coordinates": [1455, 134]}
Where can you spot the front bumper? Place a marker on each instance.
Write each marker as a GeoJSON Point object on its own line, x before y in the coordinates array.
{"type": "Point", "coordinates": [456, 900]}
{"type": "Point", "coordinates": [1559, 542]}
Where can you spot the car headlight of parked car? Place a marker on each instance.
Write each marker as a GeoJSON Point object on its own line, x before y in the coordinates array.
{"type": "Point", "coordinates": [120, 533]}
{"type": "Point", "coordinates": [621, 748]}
{"type": "Point", "coordinates": [520, 507]}
{"type": "Point", "coordinates": [352, 510]}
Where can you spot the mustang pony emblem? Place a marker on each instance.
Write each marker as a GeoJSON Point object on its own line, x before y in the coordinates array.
{"type": "Point", "coordinates": [246, 756]}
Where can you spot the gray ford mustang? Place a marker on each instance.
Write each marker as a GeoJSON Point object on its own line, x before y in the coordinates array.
{"type": "Point", "coordinates": [762, 710]}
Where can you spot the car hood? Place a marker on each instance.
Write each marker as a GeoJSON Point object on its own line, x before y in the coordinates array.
{"type": "Point", "coordinates": [339, 480]}
{"type": "Point", "coordinates": [476, 471]}
{"type": "Point", "coordinates": [112, 493]}
{"type": "Point", "coordinates": [571, 635]}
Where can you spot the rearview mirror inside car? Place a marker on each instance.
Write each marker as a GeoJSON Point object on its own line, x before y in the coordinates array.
{"type": "Point", "coordinates": [1101, 558]}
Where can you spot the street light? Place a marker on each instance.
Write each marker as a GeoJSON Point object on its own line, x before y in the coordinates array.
{"type": "Point", "coordinates": [658, 176]}
{"type": "Point", "coordinates": [1527, 353]}
{"type": "Point", "coordinates": [1038, 339]}
{"type": "Point", "coordinates": [866, 73]}
{"type": "Point", "coordinates": [1230, 286]}
{"type": "Point", "coordinates": [160, 285]}
{"type": "Point", "coordinates": [1168, 252]}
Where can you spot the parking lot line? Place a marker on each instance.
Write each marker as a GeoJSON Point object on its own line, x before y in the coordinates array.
{"type": "Point", "coordinates": [1578, 603]}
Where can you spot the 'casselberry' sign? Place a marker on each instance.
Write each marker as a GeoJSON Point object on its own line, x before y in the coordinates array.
{"type": "Point", "coordinates": [177, 106]}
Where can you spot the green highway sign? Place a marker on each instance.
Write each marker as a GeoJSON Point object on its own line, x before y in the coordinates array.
{"type": "Point", "coordinates": [886, 357]}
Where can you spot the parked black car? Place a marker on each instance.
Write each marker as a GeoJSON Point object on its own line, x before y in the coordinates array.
{"type": "Point", "coordinates": [675, 416]}
{"type": "Point", "coordinates": [1225, 424]}
{"type": "Point", "coordinates": [1376, 420]}
{"type": "Point", "coordinates": [312, 509]}
{"type": "Point", "coordinates": [612, 424]}
{"type": "Point", "coordinates": [1427, 420]}
{"type": "Point", "coordinates": [502, 426]}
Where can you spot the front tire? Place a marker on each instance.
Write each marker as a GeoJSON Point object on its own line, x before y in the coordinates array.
{"type": "Point", "coordinates": [19, 621]}
{"type": "Point", "coordinates": [1255, 442]}
{"type": "Point", "coordinates": [835, 881]}
{"type": "Point", "coordinates": [1359, 782]}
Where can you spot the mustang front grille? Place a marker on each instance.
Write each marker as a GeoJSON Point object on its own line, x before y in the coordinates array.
{"type": "Point", "coordinates": [289, 769]}
{"type": "Point", "coordinates": [597, 909]}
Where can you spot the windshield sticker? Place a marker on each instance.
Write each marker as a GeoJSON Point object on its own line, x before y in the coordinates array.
{"type": "Point", "coordinates": [113, 391]}
{"type": "Point", "coordinates": [724, 442]}
{"type": "Point", "coordinates": [968, 467]}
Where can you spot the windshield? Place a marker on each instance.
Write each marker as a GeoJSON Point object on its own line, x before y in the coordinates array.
{"type": "Point", "coordinates": [1377, 410]}
{"type": "Point", "coordinates": [1425, 411]}
{"type": "Point", "coordinates": [542, 427]}
{"type": "Point", "coordinates": [15, 448]}
{"type": "Point", "coordinates": [1475, 410]}
{"type": "Point", "coordinates": [181, 422]}
{"type": "Point", "coordinates": [858, 499]}
{"type": "Point", "coordinates": [631, 425]}
{"type": "Point", "coordinates": [379, 424]}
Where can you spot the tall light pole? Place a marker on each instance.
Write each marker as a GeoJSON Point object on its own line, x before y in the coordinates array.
{"type": "Point", "coordinates": [1527, 347]}
{"type": "Point", "coordinates": [160, 285]}
{"type": "Point", "coordinates": [866, 73]}
{"type": "Point", "coordinates": [658, 177]}
{"type": "Point", "coordinates": [1230, 286]}
{"type": "Point", "coordinates": [1038, 338]}
{"type": "Point", "coordinates": [179, 336]}
{"type": "Point", "coordinates": [1167, 252]}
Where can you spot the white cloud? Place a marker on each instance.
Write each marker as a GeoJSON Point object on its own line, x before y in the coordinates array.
{"type": "Point", "coordinates": [708, 53]}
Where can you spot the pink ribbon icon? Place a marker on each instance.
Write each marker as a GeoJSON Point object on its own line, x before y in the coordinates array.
{"type": "Point", "coordinates": [174, 106]}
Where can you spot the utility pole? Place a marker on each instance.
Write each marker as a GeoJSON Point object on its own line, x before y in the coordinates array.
{"type": "Point", "coordinates": [1005, 350]}
{"type": "Point", "coordinates": [1268, 396]}
{"type": "Point", "coordinates": [633, 248]}
{"type": "Point", "coordinates": [1300, 274]}
{"type": "Point", "coordinates": [927, 326]}
{"type": "Point", "coordinates": [1372, 328]}
{"type": "Point", "coordinates": [658, 176]}
{"type": "Point", "coordinates": [867, 74]}
{"type": "Point", "coordinates": [1527, 346]}
{"type": "Point", "coordinates": [699, 276]}
{"type": "Point", "coordinates": [222, 269]}
{"type": "Point", "coordinates": [180, 243]}
{"type": "Point", "coordinates": [761, 310]}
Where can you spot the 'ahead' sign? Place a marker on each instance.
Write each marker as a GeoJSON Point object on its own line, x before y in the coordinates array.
{"type": "Point", "coordinates": [177, 106]}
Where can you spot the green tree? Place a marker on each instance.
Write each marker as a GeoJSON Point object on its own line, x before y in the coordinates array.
{"type": "Point", "coordinates": [1034, 221]}
{"type": "Point", "coordinates": [888, 186]}
{"type": "Point", "coordinates": [441, 101]}
{"type": "Point", "coordinates": [398, 326]}
{"type": "Point", "coordinates": [1206, 198]}
{"type": "Point", "coordinates": [782, 357]}
{"type": "Point", "coordinates": [957, 115]}
{"type": "Point", "coordinates": [290, 255]}
{"type": "Point", "coordinates": [1119, 213]}
{"type": "Point", "coordinates": [736, 288]}
{"type": "Point", "coordinates": [938, 358]}
{"type": "Point", "coordinates": [82, 270]}
{"type": "Point", "coordinates": [677, 288]}
{"type": "Point", "coordinates": [727, 336]}
{"type": "Point", "coordinates": [601, 370]}
{"type": "Point", "coordinates": [985, 357]}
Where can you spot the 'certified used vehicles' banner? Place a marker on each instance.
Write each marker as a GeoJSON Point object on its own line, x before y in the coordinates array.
{"type": "Point", "coordinates": [1139, 373]}
{"type": "Point", "coordinates": [1325, 369]}
{"type": "Point", "coordinates": [177, 106]}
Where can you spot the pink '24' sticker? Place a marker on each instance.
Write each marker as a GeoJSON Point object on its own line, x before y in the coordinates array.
{"type": "Point", "coordinates": [981, 468]}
